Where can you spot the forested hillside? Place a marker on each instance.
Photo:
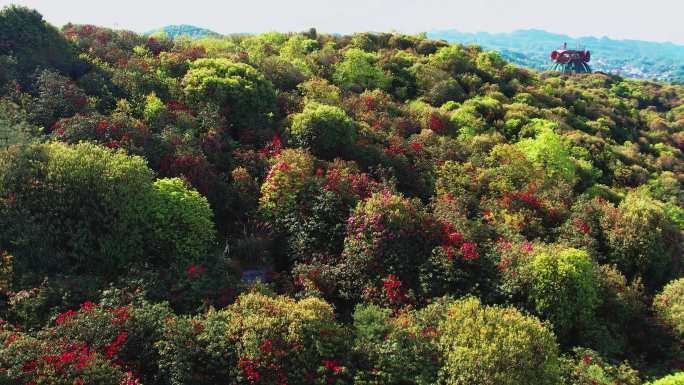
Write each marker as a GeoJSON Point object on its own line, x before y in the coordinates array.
{"type": "Point", "coordinates": [175, 31]}
{"type": "Point", "coordinates": [414, 212]}
{"type": "Point", "coordinates": [630, 58]}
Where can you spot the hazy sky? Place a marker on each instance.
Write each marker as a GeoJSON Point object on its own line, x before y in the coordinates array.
{"type": "Point", "coordinates": [659, 20]}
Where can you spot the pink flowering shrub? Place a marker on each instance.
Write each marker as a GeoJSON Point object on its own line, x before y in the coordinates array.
{"type": "Point", "coordinates": [386, 234]}
{"type": "Point", "coordinates": [290, 173]}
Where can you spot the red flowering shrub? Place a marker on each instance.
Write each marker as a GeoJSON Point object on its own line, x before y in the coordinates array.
{"type": "Point", "coordinates": [583, 228]}
{"type": "Point", "coordinates": [124, 335]}
{"type": "Point", "coordinates": [386, 234]}
{"type": "Point", "coordinates": [318, 229]}
{"type": "Point", "coordinates": [460, 264]}
{"type": "Point", "coordinates": [257, 340]}
{"type": "Point", "coordinates": [379, 112]}
{"type": "Point", "coordinates": [194, 168]}
{"type": "Point", "coordinates": [122, 132]}
{"type": "Point", "coordinates": [290, 173]}
{"type": "Point", "coordinates": [92, 345]}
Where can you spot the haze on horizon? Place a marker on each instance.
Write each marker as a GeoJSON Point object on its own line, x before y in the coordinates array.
{"type": "Point", "coordinates": [656, 20]}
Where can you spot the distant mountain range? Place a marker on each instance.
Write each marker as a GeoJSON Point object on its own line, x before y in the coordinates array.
{"type": "Point", "coordinates": [191, 31]}
{"type": "Point", "coordinates": [531, 48]}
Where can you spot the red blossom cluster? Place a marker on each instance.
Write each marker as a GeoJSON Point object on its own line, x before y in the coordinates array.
{"type": "Point", "coordinates": [392, 287]}
{"type": "Point", "coordinates": [273, 148]}
{"type": "Point", "coordinates": [111, 349]}
{"type": "Point", "coordinates": [175, 107]}
{"type": "Point", "coordinates": [469, 251]}
{"type": "Point", "coordinates": [436, 124]}
{"type": "Point", "coordinates": [101, 127]}
{"type": "Point", "coordinates": [62, 317]}
{"type": "Point", "coordinates": [453, 240]}
{"type": "Point", "coordinates": [368, 101]}
{"type": "Point", "coordinates": [581, 225]}
{"type": "Point", "coordinates": [193, 168]}
{"type": "Point", "coordinates": [250, 369]}
{"type": "Point", "coordinates": [343, 183]}
{"type": "Point", "coordinates": [193, 270]}
{"type": "Point", "coordinates": [394, 150]}
{"type": "Point", "coordinates": [528, 198]}
{"type": "Point", "coordinates": [334, 367]}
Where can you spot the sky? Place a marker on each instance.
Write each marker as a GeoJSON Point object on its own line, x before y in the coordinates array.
{"type": "Point", "coordinates": [655, 20]}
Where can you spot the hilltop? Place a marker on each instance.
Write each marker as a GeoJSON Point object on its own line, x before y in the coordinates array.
{"type": "Point", "coordinates": [173, 31]}
{"type": "Point", "coordinates": [530, 48]}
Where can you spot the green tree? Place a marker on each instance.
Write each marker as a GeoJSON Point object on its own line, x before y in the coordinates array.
{"type": "Point", "coordinates": [549, 150]}
{"type": "Point", "coordinates": [241, 92]}
{"type": "Point", "coordinates": [495, 346]}
{"type": "Point", "coordinates": [642, 239]}
{"type": "Point", "coordinates": [74, 208]}
{"type": "Point", "coordinates": [325, 130]}
{"type": "Point", "coordinates": [669, 305]}
{"type": "Point", "coordinates": [182, 229]}
{"type": "Point", "coordinates": [359, 71]}
{"type": "Point", "coordinates": [33, 43]}
{"type": "Point", "coordinates": [565, 290]}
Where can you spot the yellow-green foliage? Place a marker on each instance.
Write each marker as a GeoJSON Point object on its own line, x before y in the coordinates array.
{"type": "Point", "coordinates": [358, 71]}
{"type": "Point", "coordinates": [83, 208]}
{"type": "Point", "coordinates": [565, 288]}
{"type": "Point", "coordinates": [549, 151]}
{"type": "Point", "coordinates": [182, 224]}
{"type": "Point", "coordinates": [325, 130]}
{"type": "Point", "coordinates": [495, 346]}
{"type": "Point", "coordinates": [5, 271]}
{"type": "Point", "coordinates": [642, 238]}
{"type": "Point", "coordinates": [672, 379]}
{"type": "Point", "coordinates": [155, 113]}
{"type": "Point", "coordinates": [236, 86]}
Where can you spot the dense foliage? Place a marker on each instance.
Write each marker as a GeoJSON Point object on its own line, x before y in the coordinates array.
{"type": "Point", "coordinates": [307, 208]}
